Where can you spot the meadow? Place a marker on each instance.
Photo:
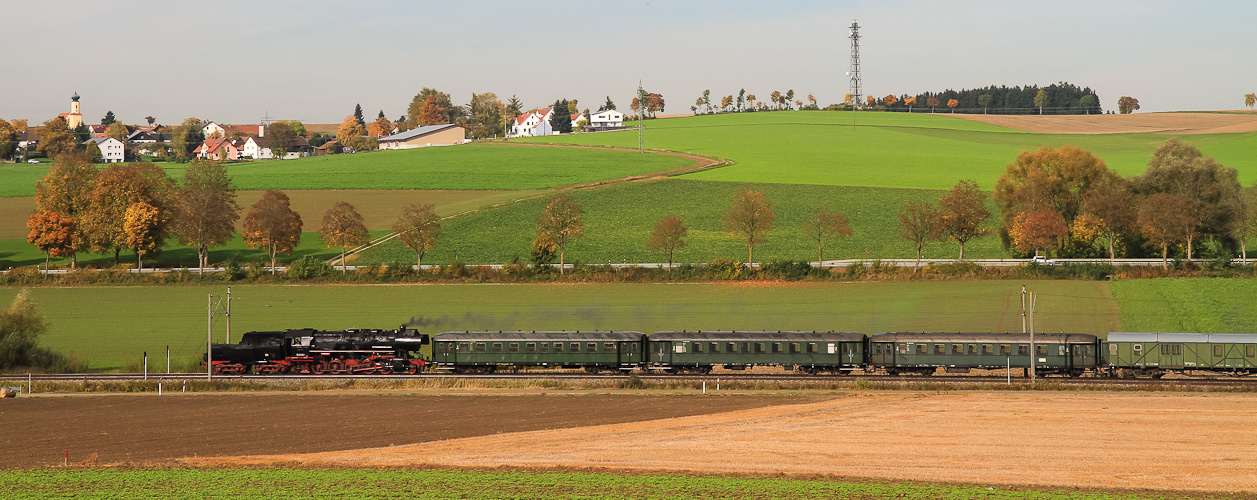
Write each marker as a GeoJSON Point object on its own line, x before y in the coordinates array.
{"type": "Point", "coordinates": [283, 483]}
{"type": "Point", "coordinates": [892, 150]}
{"type": "Point", "coordinates": [110, 327]}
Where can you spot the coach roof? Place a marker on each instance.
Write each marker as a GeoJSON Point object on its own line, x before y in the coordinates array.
{"type": "Point", "coordinates": [994, 338]}
{"type": "Point", "coordinates": [1184, 338]}
{"type": "Point", "coordinates": [481, 336]}
{"type": "Point", "coordinates": [751, 336]}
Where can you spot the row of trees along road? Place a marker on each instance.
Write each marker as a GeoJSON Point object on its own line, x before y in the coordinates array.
{"type": "Point", "coordinates": [1068, 202]}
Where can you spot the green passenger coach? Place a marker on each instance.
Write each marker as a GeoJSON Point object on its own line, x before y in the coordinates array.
{"type": "Point", "coordinates": [1140, 354]}
{"type": "Point", "coordinates": [916, 352]}
{"type": "Point", "coordinates": [810, 352]}
{"type": "Point", "coordinates": [484, 352]}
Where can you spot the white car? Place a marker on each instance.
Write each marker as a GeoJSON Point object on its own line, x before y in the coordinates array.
{"type": "Point", "coordinates": [1042, 261]}
{"type": "Point", "coordinates": [34, 162]}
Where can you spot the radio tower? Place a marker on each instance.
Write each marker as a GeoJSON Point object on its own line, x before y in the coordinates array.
{"type": "Point", "coordinates": [854, 74]}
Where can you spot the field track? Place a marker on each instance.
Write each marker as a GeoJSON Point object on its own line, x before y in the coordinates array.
{"type": "Point", "coordinates": [1160, 123]}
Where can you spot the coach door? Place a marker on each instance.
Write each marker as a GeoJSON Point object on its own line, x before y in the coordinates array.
{"type": "Point", "coordinates": [883, 353]}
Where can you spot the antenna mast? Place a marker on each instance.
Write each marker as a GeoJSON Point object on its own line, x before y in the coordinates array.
{"type": "Point", "coordinates": [854, 74]}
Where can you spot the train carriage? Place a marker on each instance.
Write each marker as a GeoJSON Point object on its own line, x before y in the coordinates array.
{"type": "Point", "coordinates": [485, 351]}
{"type": "Point", "coordinates": [918, 352]}
{"type": "Point", "coordinates": [1149, 354]}
{"type": "Point", "coordinates": [810, 352]}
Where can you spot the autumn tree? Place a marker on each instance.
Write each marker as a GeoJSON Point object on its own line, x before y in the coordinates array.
{"type": "Point", "coordinates": [1040, 100]}
{"type": "Point", "coordinates": [380, 127]}
{"type": "Point", "coordinates": [560, 222]}
{"type": "Point", "coordinates": [8, 139]}
{"type": "Point", "coordinates": [910, 102]}
{"type": "Point", "coordinates": [186, 137]}
{"type": "Point", "coordinates": [113, 193]}
{"type": "Point", "coordinates": [962, 212]}
{"type": "Point", "coordinates": [823, 227]}
{"type": "Point", "coordinates": [56, 138]}
{"type": "Point", "coordinates": [1250, 99]}
{"type": "Point", "coordinates": [932, 102]}
{"type": "Point", "coordinates": [654, 103]}
{"type": "Point", "coordinates": [486, 115]}
{"type": "Point", "coordinates": [1212, 191]}
{"type": "Point", "coordinates": [418, 228]}
{"type": "Point", "coordinates": [145, 230]}
{"type": "Point", "coordinates": [429, 113]}
{"type": "Point", "coordinates": [952, 103]}
{"type": "Point", "coordinates": [812, 100]}
{"type": "Point", "coordinates": [726, 102]}
{"type": "Point", "coordinates": [749, 219]}
{"type": "Point", "coordinates": [890, 100]}
{"type": "Point", "coordinates": [1112, 202]}
{"type": "Point", "coordinates": [870, 100]}
{"type": "Point", "coordinates": [984, 100]}
{"type": "Point", "coordinates": [118, 131]}
{"type": "Point", "coordinates": [351, 134]}
{"type": "Point", "coordinates": [53, 234]}
{"type": "Point", "coordinates": [667, 236]}
{"type": "Point", "coordinates": [440, 110]}
{"type": "Point", "coordinates": [204, 209]}
{"type": "Point", "coordinates": [1049, 179]}
{"type": "Point", "coordinates": [919, 223]}
{"type": "Point", "coordinates": [65, 191]}
{"type": "Point", "coordinates": [1165, 219]}
{"type": "Point", "coordinates": [1248, 227]}
{"type": "Point", "coordinates": [776, 99]}
{"type": "Point", "coordinates": [343, 227]}
{"type": "Point", "coordinates": [1037, 230]}
{"type": "Point", "coordinates": [272, 224]}
{"type": "Point", "coordinates": [1127, 104]}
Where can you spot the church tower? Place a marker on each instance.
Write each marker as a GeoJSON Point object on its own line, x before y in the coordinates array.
{"type": "Point", "coordinates": [74, 118]}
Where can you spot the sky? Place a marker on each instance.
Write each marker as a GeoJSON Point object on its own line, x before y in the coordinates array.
{"type": "Point", "coordinates": [238, 61]}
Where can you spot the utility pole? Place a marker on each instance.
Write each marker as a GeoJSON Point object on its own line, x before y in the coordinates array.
{"type": "Point", "coordinates": [229, 315]}
{"type": "Point", "coordinates": [209, 338]}
{"type": "Point", "coordinates": [1023, 309]}
{"type": "Point", "coordinates": [854, 74]}
{"type": "Point", "coordinates": [1033, 355]}
{"type": "Point", "coordinates": [641, 117]}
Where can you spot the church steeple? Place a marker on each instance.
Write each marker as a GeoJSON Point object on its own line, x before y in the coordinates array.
{"type": "Point", "coordinates": [74, 118]}
{"type": "Point", "coordinates": [75, 97]}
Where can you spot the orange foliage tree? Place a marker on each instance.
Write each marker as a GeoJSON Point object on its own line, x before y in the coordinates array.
{"type": "Point", "coordinates": [910, 102]}
{"type": "Point", "coordinates": [145, 230]}
{"type": "Point", "coordinates": [890, 100]}
{"type": "Point", "coordinates": [749, 219]}
{"type": "Point", "coordinates": [667, 236]}
{"type": "Point", "coordinates": [1037, 230]}
{"type": "Point", "coordinates": [55, 235]}
{"type": "Point", "coordinates": [271, 223]}
{"type": "Point", "coordinates": [962, 212]}
{"type": "Point", "coordinates": [952, 103]}
{"type": "Point", "coordinates": [429, 113]}
{"type": "Point", "coordinates": [932, 102]}
{"type": "Point", "coordinates": [824, 226]}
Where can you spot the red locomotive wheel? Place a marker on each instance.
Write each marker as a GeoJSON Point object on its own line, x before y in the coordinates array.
{"type": "Point", "coordinates": [335, 366]}
{"type": "Point", "coordinates": [318, 368]}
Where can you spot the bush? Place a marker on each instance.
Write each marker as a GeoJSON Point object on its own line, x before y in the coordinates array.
{"type": "Point", "coordinates": [787, 269]}
{"type": "Point", "coordinates": [309, 267]}
{"type": "Point", "coordinates": [726, 269]}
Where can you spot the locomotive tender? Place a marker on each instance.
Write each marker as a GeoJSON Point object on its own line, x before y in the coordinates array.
{"type": "Point", "coordinates": [1124, 354]}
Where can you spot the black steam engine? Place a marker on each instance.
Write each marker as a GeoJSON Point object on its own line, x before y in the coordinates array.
{"type": "Point", "coordinates": [322, 352]}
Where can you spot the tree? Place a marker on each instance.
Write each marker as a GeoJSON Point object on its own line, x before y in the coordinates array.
{"type": "Point", "coordinates": [572, 107]}
{"type": "Point", "coordinates": [380, 127]}
{"type": "Point", "coordinates": [1088, 102]}
{"type": "Point", "coordinates": [984, 100]}
{"type": "Point", "coordinates": [514, 107]}
{"type": "Point", "coordinates": [187, 136]}
{"type": "Point", "coordinates": [654, 103]}
{"type": "Point", "coordinates": [932, 102]}
{"type": "Point", "coordinates": [910, 102]}
{"type": "Point", "coordinates": [56, 138]}
{"type": "Point", "coordinates": [1040, 100]}
{"type": "Point", "coordinates": [343, 227]}
{"type": "Point", "coordinates": [823, 227]}
{"type": "Point", "coordinates": [65, 191]}
{"type": "Point", "coordinates": [1248, 228]}
{"type": "Point", "coordinates": [890, 100]}
{"type": "Point", "coordinates": [725, 102]}
{"type": "Point", "coordinates": [607, 105]}
{"type": "Point", "coordinates": [145, 231]}
{"type": "Point", "coordinates": [418, 227]}
{"type": "Point", "coordinates": [281, 138]}
{"type": "Point", "coordinates": [429, 113]}
{"type": "Point", "coordinates": [273, 225]}
{"type": "Point", "coordinates": [1250, 99]}
{"type": "Point", "coordinates": [776, 98]}
{"type": "Point", "coordinates": [789, 97]}
{"type": "Point", "coordinates": [446, 111]}
{"type": "Point", "coordinates": [150, 120]}
{"type": "Point", "coordinates": [53, 234]}
{"type": "Point", "coordinates": [351, 134]}
{"type": "Point", "coordinates": [1037, 230]}
{"type": "Point", "coordinates": [1111, 201]}
{"type": "Point", "coordinates": [919, 222]}
{"type": "Point", "coordinates": [952, 103]}
{"type": "Point", "coordinates": [962, 213]}
{"type": "Point", "coordinates": [560, 222]}
{"type": "Point", "coordinates": [113, 193]}
{"type": "Point", "coordinates": [486, 115]}
{"type": "Point", "coordinates": [1127, 104]}
{"type": "Point", "coordinates": [204, 209]}
{"type": "Point", "coordinates": [1165, 219]}
{"type": "Point", "coordinates": [20, 328]}
{"type": "Point", "coordinates": [118, 131]}
{"type": "Point", "coordinates": [749, 219]}
{"type": "Point", "coordinates": [870, 100]}
{"type": "Point", "coordinates": [297, 127]}
{"type": "Point", "coordinates": [667, 236]}
{"type": "Point", "coordinates": [8, 139]}
{"type": "Point", "coordinates": [811, 99]}
{"type": "Point", "coordinates": [742, 99]}
{"type": "Point", "coordinates": [1049, 179]}
{"type": "Point", "coordinates": [560, 119]}
{"type": "Point", "coordinates": [358, 116]}
{"type": "Point", "coordinates": [108, 119]}
{"type": "Point", "coordinates": [1212, 192]}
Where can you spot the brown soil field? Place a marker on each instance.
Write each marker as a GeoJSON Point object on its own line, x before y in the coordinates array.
{"type": "Point", "coordinates": [1162, 123]}
{"type": "Point", "coordinates": [1107, 440]}
{"type": "Point", "coordinates": [117, 428]}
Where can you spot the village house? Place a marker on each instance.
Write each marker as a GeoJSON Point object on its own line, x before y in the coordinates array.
{"type": "Point", "coordinates": [609, 119]}
{"type": "Point", "coordinates": [430, 135]}
{"type": "Point", "coordinates": [217, 149]}
{"type": "Point", "coordinates": [111, 150]}
{"type": "Point", "coordinates": [537, 124]}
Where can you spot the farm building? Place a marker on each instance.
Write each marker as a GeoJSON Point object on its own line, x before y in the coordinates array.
{"type": "Point", "coordinates": [430, 135]}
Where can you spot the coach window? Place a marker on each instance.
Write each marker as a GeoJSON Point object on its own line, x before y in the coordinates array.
{"type": "Point", "coordinates": [988, 349]}
{"type": "Point", "coordinates": [715, 347]}
{"type": "Point", "coordinates": [794, 347]}
{"type": "Point", "coordinates": [973, 349]}
{"type": "Point", "coordinates": [731, 347]}
{"type": "Point", "coordinates": [777, 348]}
{"type": "Point", "coordinates": [1005, 350]}
{"type": "Point", "coordinates": [1217, 351]}
{"type": "Point", "coordinates": [761, 347]}
{"type": "Point", "coordinates": [940, 348]}
{"type": "Point", "coordinates": [698, 347]}
{"type": "Point", "coordinates": [811, 347]}
{"type": "Point", "coordinates": [1176, 350]}
{"type": "Point", "coordinates": [1023, 350]}
{"type": "Point", "coordinates": [877, 348]}
{"type": "Point", "coordinates": [1138, 348]}
{"type": "Point", "coordinates": [545, 347]}
{"type": "Point", "coordinates": [903, 348]}
{"type": "Point", "coordinates": [591, 347]}
{"type": "Point", "coordinates": [1250, 351]}
{"type": "Point", "coordinates": [632, 347]}
{"type": "Point", "coordinates": [923, 348]}
{"type": "Point", "coordinates": [1041, 350]}
{"type": "Point", "coordinates": [464, 347]}
{"type": "Point", "coordinates": [746, 348]}
{"type": "Point", "coordinates": [497, 347]}
{"type": "Point", "coordinates": [1060, 350]}
{"type": "Point", "coordinates": [1112, 349]}
{"type": "Point", "coordinates": [608, 347]}
{"type": "Point", "coordinates": [480, 346]}
{"type": "Point", "coordinates": [530, 347]}
{"type": "Point", "coordinates": [957, 348]}
{"type": "Point", "coordinates": [558, 347]}
{"type": "Point", "coordinates": [514, 346]}
{"type": "Point", "coordinates": [573, 347]}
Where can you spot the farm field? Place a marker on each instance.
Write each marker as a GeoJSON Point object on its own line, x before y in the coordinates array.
{"type": "Point", "coordinates": [110, 327]}
{"type": "Point", "coordinates": [893, 150]}
{"type": "Point", "coordinates": [618, 220]}
{"type": "Point", "coordinates": [1210, 305]}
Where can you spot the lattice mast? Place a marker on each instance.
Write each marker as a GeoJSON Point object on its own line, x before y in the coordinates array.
{"type": "Point", "coordinates": [642, 97]}
{"type": "Point", "coordinates": [854, 73]}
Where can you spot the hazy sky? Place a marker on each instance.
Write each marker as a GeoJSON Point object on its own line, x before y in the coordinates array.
{"type": "Point", "coordinates": [234, 61]}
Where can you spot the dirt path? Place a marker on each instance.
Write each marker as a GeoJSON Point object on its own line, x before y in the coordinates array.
{"type": "Point", "coordinates": [1162, 123]}
{"type": "Point", "coordinates": [1171, 441]}
{"type": "Point", "coordinates": [700, 162]}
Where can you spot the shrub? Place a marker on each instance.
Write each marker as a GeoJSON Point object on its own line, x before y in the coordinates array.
{"type": "Point", "coordinates": [726, 269]}
{"type": "Point", "coordinates": [787, 269]}
{"type": "Point", "coordinates": [309, 267]}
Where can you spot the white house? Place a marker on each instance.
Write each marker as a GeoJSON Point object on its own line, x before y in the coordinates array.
{"type": "Point", "coordinates": [606, 120]}
{"type": "Point", "coordinates": [111, 150]}
{"type": "Point", "coordinates": [257, 148]}
{"type": "Point", "coordinates": [535, 124]}
{"type": "Point", "coordinates": [212, 128]}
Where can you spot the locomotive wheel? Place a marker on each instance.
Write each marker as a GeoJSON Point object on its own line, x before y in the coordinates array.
{"type": "Point", "coordinates": [384, 370]}
{"type": "Point", "coordinates": [317, 368]}
{"type": "Point", "coordinates": [412, 369]}
{"type": "Point", "coordinates": [335, 366]}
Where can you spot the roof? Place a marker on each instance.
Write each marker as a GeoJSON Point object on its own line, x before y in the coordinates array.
{"type": "Point", "coordinates": [995, 338]}
{"type": "Point", "coordinates": [538, 336]}
{"type": "Point", "coordinates": [519, 120]}
{"type": "Point", "coordinates": [100, 139]}
{"type": "Point", "coordinates": [417, 132]}
{"type": "Point", "coordinates": [779, 336]}
{"type": "Point", "coordinates": [1184, 338]}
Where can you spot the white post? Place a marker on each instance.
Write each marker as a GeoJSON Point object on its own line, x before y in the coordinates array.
{"type": "Point", "coordinates": [229, 314]}
{"type": "Point", "coordinates": [167, 359]}
{"type": "Point", "coordinates": [1033, 355]}
{"type": "Point", "coordinates": [30, 386]}
{"type": "Point", "coordinates": [145, 365]}
{"type": "Point", "coordinates": [704, 387]}
{"type": "Point", "coordinates": [1008, 372]}
{"type": "Point", "coordinates": [209, 339]}
{"type": "Point", "coordinates": [159, 388]}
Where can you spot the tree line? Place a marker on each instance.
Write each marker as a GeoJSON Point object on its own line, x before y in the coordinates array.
{"type": "Point", "coordinates": [1057, 99]}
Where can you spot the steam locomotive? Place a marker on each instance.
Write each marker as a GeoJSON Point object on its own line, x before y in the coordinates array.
{"type": "Point", "coordinates": [322, 352]}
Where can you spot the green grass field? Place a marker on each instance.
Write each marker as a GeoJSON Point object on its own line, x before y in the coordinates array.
{"type": "Point", "coordinates": [111, 327]}
{"type": "Point", "coordinates": [894, 150]}
{"type": "Point", "coordinates": [1206, 305]}
{"type": "Point", "coordinates": [472, 166]}
{"type": "Point", "coordinates": [284, 483]}
{"type": "Point", "coordinates": [618, 219]}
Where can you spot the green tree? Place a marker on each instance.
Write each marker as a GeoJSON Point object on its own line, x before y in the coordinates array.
{"type": "Point", "coordinates": [272, 224]}
{"type": "Point", "coordinates": [297, 127]}
{"type": "Point", "coordinates": [984, 100]}
{"type": "Point", "coordinates": [667, 236]}
{"type": "Point", "coordinates": [204, 209]}
{"type": "Point", "coordinates": [1248, 228]}
{"type": "Point", "coordinates": [186, 137]}
{"type": "Point", "coordinates": [20, 328]}
{"type": "Point", "coordinates": [919, 223]}
{"type": "Point", "coordinates": [1127, 104]}
{"type": "Point", "coordinates": [823, 227]}
{"type": "Point", "coordinates": [611, 105]}
{"type": "Point", "coordinates": [1040, 100]}
{"type": "Point", "coordinates": [108, 119]}
{"type": "Point", "coordinates": [65, 191]}
{"type": "Point", "coordinates": [486, 115]}
{"type": "Point", "coordinates": [1165, 219]}
{"type": "Point", "coordinates": [418, 228]}
{"type": "Point", "coordinates": [1088, 102]}
{"type": "Point", "coordinates": [56, 138]}
{"type": "Point", "coordinates": [560, 119]}
{"type": "Point", "coordinates": [358, 115]}
{"type": "Point", "coordinates": [1112, 201]}
{"type": "Point", "coordinates": [750, 219]}
{"type": "Point", "coordinates": [962, 212]}
{"type": "Point", "coordinates": [1212, 191]}
{"type": "Point", "coordinates": [343, 227]}
{"type": "Point", "coordinates": [280, 138]}
{"type": "Point", "coordinates": [561, 223]}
